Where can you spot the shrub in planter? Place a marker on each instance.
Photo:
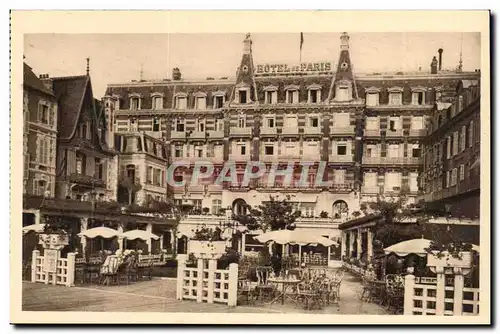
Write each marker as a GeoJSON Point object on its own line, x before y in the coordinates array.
{"type": "Point", "coordinates": [206, 211]}
{"type": "Point", "coordinates": [323, 214]}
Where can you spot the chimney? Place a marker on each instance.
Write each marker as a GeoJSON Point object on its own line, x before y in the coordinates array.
{"type": "Point", "coordinates": [434, 65]}
{"type": "Point", "coordinates": [176, 74]}
{"type": "Point", "coordinates": [440, 51]}
{"type": "Point", "coordinates": [47, 81]}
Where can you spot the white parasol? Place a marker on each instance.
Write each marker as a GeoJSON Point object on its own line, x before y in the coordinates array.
{"type": "Point", "coordinates": [104, 232]}
{"type": "Point", "coordinates": [414, 246]}
{"type": "Point", "coordinates": [295, 237]}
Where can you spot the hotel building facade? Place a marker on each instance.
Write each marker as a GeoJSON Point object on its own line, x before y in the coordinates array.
{"type": "Point", "coordinates": [369, 129]}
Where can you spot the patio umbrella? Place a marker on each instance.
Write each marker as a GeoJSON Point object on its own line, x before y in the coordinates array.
{"type": "Point", "coordinates": [139, 234]}
{"type": "Point", "coordinates": [295, 237]}
{"type": "Point", "coordinates": [104, 232]}
{"type": "Point", "coordinates": [34, 227]}
{"type": "Point", "coordinates": [414, 246]}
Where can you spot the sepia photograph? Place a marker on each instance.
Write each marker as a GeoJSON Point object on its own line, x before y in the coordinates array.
{"type": "Point", "coordinates": [296, 174]}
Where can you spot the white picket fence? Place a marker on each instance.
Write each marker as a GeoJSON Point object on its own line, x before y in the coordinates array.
{"type": "Point", "coordinates": [64, 273]}
{"type": "Point", "coordinates": [431, 296]}
{"type": "Point", "coordinates": [207, 284]}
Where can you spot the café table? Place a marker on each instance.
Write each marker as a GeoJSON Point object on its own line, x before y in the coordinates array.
{"type": "Point", "coordinates": [286, 285]}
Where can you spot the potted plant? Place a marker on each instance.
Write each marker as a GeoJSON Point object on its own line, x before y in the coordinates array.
{"type": "Point", "coordinates": [323, 214]}
{"type": "Point", "coordinates": [206, 211]}
{"type": "Point", "coordinates": [207, 242]}
{"type": "Point", "coordinates": [55, 234]}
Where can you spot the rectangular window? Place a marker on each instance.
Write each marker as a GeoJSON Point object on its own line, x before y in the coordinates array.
{"type": "Point", "coordinates": [290, 122]}
{"type": "Point", "coordinates": [201, 102]}
{"type": "Point", "coordinates": [156, 177]}
{"type": "Point", "coordinates": [179, 125]}
{"type": "Point", "coordinates": [370, 180]}
{"type": "Point", "coordinates": [341, 149]}
{"type": "Point", "coordinates": [417, 123]}
{"type": "Point", "coordinates": [199, 152]}
{"type": "Point", "coordinates": [219, 102]}
{"type": "Point", "coordinates": [393, 151]}
{"type": "Point", "coordinates": [393, 181]}
{"type": "Point", "coordinates": [471, 133]}
{"type": "Point", "coordinates": [413, 182]}
{"type": "Point", "coordinates": [269, 150]}
{"type": "Point", "coordinates": [180, 102]}
{"type": "Point", "coordinates": [178, 151]}
{"type": "Point", "coordinates": [418, 98]}
{"type": "Point", "coordinates": [271, 97]}
{"type": "Point", "coordinates": [243, 150]}
{"type": "Point", "coordinates": [216, 206]}
{"type": "Point", "coordinates": [43, 114]}
{"type": "Point", "coordinates": [80, 163]}
{"type": "Point", "coordinates": [243, 96]}
{"type": "Point", "coordinates": [394, 123]}
{"type": "Point", "coordinates": [416, 152]}
{"type": "Point", "coordinates": [242, 121]}
{"type": "Point", "coordinates": [149, 175]}
{"type": "Point", "coordinates": [98, 169]}
{"type": "Point", "coordinates": [162, 178]}
{"type": "Point", "coordinates": [448, 147]}
{"type": "Point", "coordinates": [454, 177]}
{"type": "Point", "coordinates": [396, 98]}
{"type": "Point", "coordinates": [313, 122]}
{"type": "Point", "coordinates": [134, 103]}
{"type": "Point", "coordinates": [462, 172]}
{"type": "Point", "coordinates": [270, 122]}
{"type": "Point", "coordinates": [342, 94]}
{"type": "Point", "coordinates": [156, 124]}
{"type": "Point", "coordinates": [292, 96]}
{"type": "Point", "coordinates": [157, 102]}
{"type": "Point", "coordinates": [200, 125]}
{"type": "Point", "coordinates": [463, 136]}
{"type": "Point", "coordinates": [372, 99]}
{"type": "Point", "coordinates": [455, 142]}
{"type": "Point", "coordinates": [313, 96]}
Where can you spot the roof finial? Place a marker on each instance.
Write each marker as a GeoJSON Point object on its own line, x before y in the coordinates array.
{"type": "Point", "coordinates": [247, 44]}
{"type": "Point", "coordinates": [460, 62]}
{"type": "Point", "coordinates": [344, 41]}
{"type": "Point", "coordinates": [88, 66]}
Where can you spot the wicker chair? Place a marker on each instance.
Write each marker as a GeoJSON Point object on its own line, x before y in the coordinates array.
{"type": "Point", "coordinates": [264, 289]}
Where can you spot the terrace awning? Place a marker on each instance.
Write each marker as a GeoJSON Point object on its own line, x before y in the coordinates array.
{"type": "Point", "coordinates": [139, 234]}
{"type": "Point", "coordinates": [34, 227]}
{"type": "Point", "coordinates": [103, 232]}
{"type": "Point", "coordinates": [295, 237]}
{"type": "Point", "coordinates": [414, 246]}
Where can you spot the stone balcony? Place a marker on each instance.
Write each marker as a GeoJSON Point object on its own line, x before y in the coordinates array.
{"type": "Point", "coordinates": [370, 190]}
{"type": "Point", "coordinates": [394, 133]}
{"type": "Point", "coordinates": [309, 130]}
{"type": "Point", "coordinates": [240, 132]}
{"type": "Point", "coordinates": [372, 133]}
{"type": "Point", "coordinates": [268, 131]}
{"type": "Point", "coordinates": [201, 135]}
{"type": "Point", "coordinates": [342, 131]}
{"type": "Point", "coordinates": [177, 135]}
{"type": "Point", "coordinates": [238, 157]}
{"type": "Point", "coordinates": [418, 132]}
{"type": "Point", "coordinates": [341, 158]}
{"type": "Point", "coordinates": [290, 131]}
{"type": "Point", "coordinates": [215, 135]}
{"type": "Point", "coordinates": [391, 161]}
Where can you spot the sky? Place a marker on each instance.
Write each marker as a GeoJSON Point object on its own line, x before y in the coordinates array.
{"type": "Point", "coordinates": [118, 58]}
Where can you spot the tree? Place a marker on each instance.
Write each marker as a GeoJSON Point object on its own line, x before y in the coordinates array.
{"type": "Point", "coordinates": [275, 214]}
{"type": "Point", "coordinates": [131, 186]}
{"type": "Point", "coordinates": [396, 220]}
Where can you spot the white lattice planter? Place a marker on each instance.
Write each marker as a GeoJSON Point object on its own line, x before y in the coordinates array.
{"type": "Point", "coordinates": [208, 249]}
{"type": "Point", "coordinates": [53, 241]}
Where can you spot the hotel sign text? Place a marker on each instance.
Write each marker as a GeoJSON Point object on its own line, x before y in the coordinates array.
{"type": "Point", "coordinates": [284, 68]}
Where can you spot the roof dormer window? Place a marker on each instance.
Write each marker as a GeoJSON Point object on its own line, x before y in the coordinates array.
{"type": "Point", "coordinates": [396, 96]}
{"type": "Point", "coordinates": [219, 99]}
{"type": "Point", "coordinates": [418, 96]}
{"type": "Point", "coordinates": [242, 95]}
{"type": "Point", "coordinates": [271, 94]}
{"type": "Point", "coordinates": [157, 101]}
{"type": "Point", "coordinates": [135, 101]}
{"type": "Point", "coordinates": [314, 93]}
{"type": "Point", "coordinates": [200, 100]}
{"type": "Point", "coordinates": [292, 94]}
{"type": "Point", "coordinates": [180, 101]}
{"type": "Point", "coordinates": [372, 96]}
{"type": "Point", "coordinates": [343, 91]}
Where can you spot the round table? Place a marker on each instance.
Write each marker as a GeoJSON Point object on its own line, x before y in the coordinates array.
{"type": "Point", "coordinates": [285, 283]}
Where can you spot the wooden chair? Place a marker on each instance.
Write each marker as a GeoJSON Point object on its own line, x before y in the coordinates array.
{"type": "Point", "coordinates": [264, 289]}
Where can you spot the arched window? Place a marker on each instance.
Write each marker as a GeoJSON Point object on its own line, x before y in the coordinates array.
{"type": "Point", "coordinates": [239, 207]}
{"type": "Point", "coordinates": [216, 206]}
{"type": "Point", "coordinates": [340, 209]}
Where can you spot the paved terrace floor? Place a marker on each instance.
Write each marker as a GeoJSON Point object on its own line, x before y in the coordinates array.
{"type": "Point", "coordinates": [158, 295]}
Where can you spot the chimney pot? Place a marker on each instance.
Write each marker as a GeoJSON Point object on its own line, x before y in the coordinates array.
{"type": "Point", "coordinates": [440, 65]}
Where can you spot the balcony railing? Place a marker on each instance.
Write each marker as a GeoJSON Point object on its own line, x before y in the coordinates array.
{"type": "Point", "coordinates": [344, 130]}
{"type": "Point", "coordinates": [198, 135]}
{"type": "Point", "coordinates": [240, 131]}
{"type": "Point", "coordinates": [86, 180]}
{"type": "Point", "coordinates": [391, 160]}
{"type": "Point", "coordinates": [341, 187]}
{"type": "Point", "coordinates": [268, 131]}
{"type": "Point", "coordinates": [215, 134]}
{"type": "Point", "coordinates": [309, 130]}
{"type": "Point", "coordinates": [290, 131]}
{"type": "Point", "coordinates": [238, 157]}
{"type": "Point", "coordinates": [394, 133]}
{"type": "Point", "coordinates": [372, 133]}
{"type": "Point", "coordinates": [418, 132]}
{"type": "Point", "coordinates": [214, 188]}
{"type": "Point", "coordinates": [196, 189]}
{"type": "Point", "coordinates": [177, 135]}
{"type": "Point", "coordinates": [341, 158]}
